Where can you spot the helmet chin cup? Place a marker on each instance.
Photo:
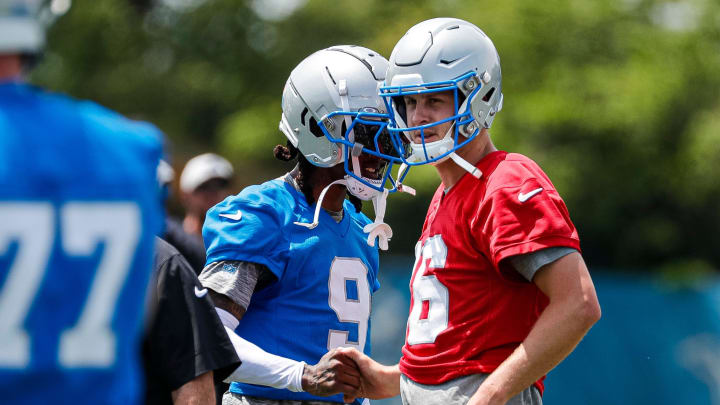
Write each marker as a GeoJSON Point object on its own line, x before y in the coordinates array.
{"type": "Point", "coordinates": [362, 190]}
{"type": "Point", "coordinates": [433, 150]}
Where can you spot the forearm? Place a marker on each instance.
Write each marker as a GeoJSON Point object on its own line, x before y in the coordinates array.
{"type": "Point", "coordinates": [572, 310]}
{"type": "Point", "coordinates": [199, 391]}
{"type": "Point", "coordinates": [390, 376]}
{"type": "Point", "coordinates": [258, 366]}
{"type": "Point", "coordinates": [554, 336]}
{"type": "Point", "coordinates": [330, 376]}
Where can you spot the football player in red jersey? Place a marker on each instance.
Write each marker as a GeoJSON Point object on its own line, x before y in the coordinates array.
{"type": "Point", "coordinates": [500, 291]}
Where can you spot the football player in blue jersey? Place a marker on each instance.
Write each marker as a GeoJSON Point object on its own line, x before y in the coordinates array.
{"type": "Point", "coordinates": [79, 205]}
{"type": "Point", "coordinates": [291, 267]}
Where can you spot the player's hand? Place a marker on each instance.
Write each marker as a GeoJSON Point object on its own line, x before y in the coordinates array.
{"type": "Point", "coordinates": [335, 373]}
{"type": "Point", "coordinates": [376, 380]}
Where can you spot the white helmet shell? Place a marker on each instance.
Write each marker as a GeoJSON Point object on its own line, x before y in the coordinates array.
{"type": "Point", "coordinates": [317, 87]}
{"type": "Point", "coordinates": [444, 49]}
{"type": "Point", "coordinates": [23, 23]}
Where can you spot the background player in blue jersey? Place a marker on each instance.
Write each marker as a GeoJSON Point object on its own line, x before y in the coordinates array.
{"type": "Point", "coordinates": [309, 271]}
{"type": "Point", "coordinates": [79, 205]}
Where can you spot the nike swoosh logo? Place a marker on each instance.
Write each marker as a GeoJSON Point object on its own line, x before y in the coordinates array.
{"type": "Point", "coordinates": [200, 293]}
{"type": "Point", "coordinates": [235, 217]}
{"type": "Point", "coordinates": [448, 61]}
{"type": "Point", "coordinates": [524, 197]}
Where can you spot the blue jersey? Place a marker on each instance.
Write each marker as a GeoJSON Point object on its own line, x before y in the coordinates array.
{"type": "Point", "coordinates": [325, 276]}
{"type": "Point", "coordinates": [79, 205]}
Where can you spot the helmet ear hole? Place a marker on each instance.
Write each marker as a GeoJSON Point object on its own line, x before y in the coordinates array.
{"type": "Point", "coordinates": [461, 97]}
{"type": "Point", "coordinates": [399, 104]}
{"type": "Point", "coordinates": [315, 128]}
{"type": "Point", "coordinates": [488, 95]}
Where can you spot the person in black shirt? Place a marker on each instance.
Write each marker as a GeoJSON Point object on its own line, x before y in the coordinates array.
{"type": "Point", "coordinates": [186, 347]}
{"type": "Point", "coordinates": [190, 246]}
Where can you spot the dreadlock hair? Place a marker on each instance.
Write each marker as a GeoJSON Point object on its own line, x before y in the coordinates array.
{"type": "Point", "coordinates": [306, 169]}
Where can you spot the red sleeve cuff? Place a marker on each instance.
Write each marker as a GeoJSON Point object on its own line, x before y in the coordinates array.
{"type": "Point", "coordinates": [534, 245]}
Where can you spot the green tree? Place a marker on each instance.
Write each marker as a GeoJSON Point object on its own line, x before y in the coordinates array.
{"type": "Point", "coordinates": [618, 101]}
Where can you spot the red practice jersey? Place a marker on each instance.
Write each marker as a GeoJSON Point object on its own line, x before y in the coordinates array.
{"type": "Point", "coordinates": [469, 309]}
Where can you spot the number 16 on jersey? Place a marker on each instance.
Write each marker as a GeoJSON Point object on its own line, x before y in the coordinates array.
{"type": "Point", "coordinates": [429, 314]}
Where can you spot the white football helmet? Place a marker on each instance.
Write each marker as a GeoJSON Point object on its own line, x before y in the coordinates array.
{"type": "Point", "coordinates": [23, 23]}
{"type": "Point", "coordinates": [332, 113]}
{"type": "Point", "coordinates": [444, 54]}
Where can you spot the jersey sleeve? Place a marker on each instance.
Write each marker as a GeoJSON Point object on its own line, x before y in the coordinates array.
{"type": "Point", "coordinates": [239, 229]}
{"type": "Point", "coordinates": [234, 279]}
{"type": "Point", "coordinates": [529, 263]}
{"type": "Point", "coordinates": [524, 215]}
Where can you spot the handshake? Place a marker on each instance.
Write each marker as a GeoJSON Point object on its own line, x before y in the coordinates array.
{"type": "Point", "coordinates": [347, 371]}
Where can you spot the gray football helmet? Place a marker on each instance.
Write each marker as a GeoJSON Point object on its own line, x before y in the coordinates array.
{"type": "Point", "coordinates": [444, 54]}
{"type": "Point", "coordinates": [23, 23]}
{"type": "Point", "coordinates": [332, 113]}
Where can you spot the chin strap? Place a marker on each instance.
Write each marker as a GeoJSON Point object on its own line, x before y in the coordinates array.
{"type": "Point", "coordinates": [402, 187]}
{"type": "Point", "coordinates": [379, 229]}
{"type": "Point", "coordinates": [454, 156]}
{"type": "Point", "coordinates": [316, 217]}
{"type": "Point", "coordinates": [462, 162]}
{"type": "Point", "coordinates": [376, 230]}
{"type": "Point", "coordinates": [465, 165]}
